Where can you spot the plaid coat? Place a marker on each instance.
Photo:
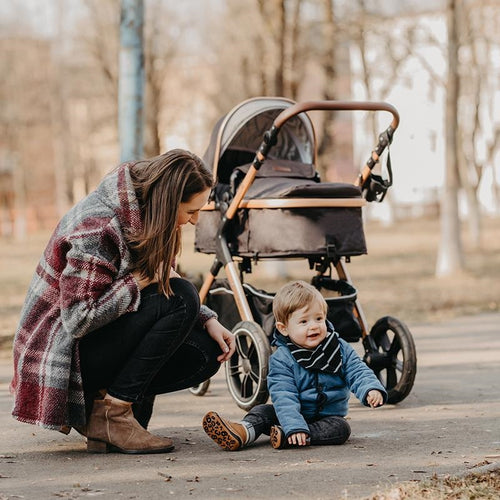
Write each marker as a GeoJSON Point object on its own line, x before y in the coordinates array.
{"type": "Point", "coordinates": [82, 282]}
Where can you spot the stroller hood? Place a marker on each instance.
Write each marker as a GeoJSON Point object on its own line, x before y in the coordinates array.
{"type": "Point", "coordinates": [237, 136]}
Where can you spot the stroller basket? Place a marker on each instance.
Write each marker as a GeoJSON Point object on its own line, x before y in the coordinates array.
{"type": "Point", "coordinates": [220, 298]}
{"type": "Point", "coordinates": [340, 307]}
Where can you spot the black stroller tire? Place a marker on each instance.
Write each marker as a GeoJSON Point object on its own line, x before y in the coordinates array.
{"type": "Point", "coordinates": [200, 389]}
{"type": "Point", "coordinates": [246, 371]}
{"type": "Point", "coordinates": [392, 356]}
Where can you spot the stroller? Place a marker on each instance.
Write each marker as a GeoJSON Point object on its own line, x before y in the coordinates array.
{"type": "Point", "coordinates": [269, 203]}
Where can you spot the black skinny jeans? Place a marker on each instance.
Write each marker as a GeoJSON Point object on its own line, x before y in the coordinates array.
{"type": "Point", "coordinates": [158, 349]}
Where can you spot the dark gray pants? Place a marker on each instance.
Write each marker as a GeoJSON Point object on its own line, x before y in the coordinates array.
{"type": "Point", "coordinates": [324, 430]}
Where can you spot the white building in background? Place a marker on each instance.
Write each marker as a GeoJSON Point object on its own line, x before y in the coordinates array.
{"type": "Point", "coordinates": [418, 92]}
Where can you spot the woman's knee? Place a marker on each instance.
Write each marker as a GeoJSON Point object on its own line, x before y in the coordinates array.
{"type": "Point", "coordinates": [185, 289]}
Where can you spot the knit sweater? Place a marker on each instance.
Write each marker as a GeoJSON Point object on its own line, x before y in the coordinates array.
{"type": "Point", "coordinates": [82, 282]}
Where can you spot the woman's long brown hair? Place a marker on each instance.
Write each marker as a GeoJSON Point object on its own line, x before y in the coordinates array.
{"type": "Point", "coordinates": [161, 184]}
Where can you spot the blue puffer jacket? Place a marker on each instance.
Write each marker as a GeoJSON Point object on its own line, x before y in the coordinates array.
{"type": "Point", "coordinates": [295, 391]}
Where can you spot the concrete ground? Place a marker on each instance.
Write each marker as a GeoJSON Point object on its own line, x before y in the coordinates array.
{"type": "Point", "coordinates": [449, 424]}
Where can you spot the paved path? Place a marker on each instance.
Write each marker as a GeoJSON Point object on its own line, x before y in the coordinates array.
{"type": "Point", "coordinates": [449, 424]}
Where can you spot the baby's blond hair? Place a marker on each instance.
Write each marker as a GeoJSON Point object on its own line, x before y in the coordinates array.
{"type": "Point", "coordinates": [294, 296]}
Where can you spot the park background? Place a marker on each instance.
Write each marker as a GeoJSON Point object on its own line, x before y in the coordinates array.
{"type": "Point", "coordinates": [434, 249]}
{"type": "Point", "coordinates": [433, 244]}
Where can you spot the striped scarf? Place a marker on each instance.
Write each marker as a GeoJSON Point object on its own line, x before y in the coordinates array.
{"type": "Point", "coordinates": [324, 357]}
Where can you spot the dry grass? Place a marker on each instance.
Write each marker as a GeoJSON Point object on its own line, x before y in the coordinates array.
{"type": "Point", "coordinates": [484, 486]}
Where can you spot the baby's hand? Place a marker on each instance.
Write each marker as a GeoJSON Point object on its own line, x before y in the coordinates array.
{"type": "Point", "coordinates": [298, 439]}
{"type": "Point", "coordinates": [375, 398]}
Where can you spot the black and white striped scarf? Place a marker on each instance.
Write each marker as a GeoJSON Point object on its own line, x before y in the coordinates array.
{"type": "Point", "coordinates": [324, 357]}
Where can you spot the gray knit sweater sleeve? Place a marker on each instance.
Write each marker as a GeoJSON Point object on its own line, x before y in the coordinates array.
{"type": "Point", "coordinates": [205, 314]}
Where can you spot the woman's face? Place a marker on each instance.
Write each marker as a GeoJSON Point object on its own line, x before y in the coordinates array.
{"type": "Point", "coordinates": [189, 210]}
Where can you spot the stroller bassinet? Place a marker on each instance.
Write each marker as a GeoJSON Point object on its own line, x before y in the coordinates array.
{"type": "Point", "coordinates": [302, 228]}
{"type": "Point", "coordinates": [269, 203]}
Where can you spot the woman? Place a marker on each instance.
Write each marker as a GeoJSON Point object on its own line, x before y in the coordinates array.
{"type": "Point", "coordinates": [107, 323]}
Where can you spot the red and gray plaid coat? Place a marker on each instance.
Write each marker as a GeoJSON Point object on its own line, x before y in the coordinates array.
{"type": "Point", "coordinates": [82, 282]}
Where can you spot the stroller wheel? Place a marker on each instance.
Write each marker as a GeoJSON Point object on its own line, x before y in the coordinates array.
{"type": "Point", "coordinates": [392, 356]}
{"type": "Point", "coordinates": [200, 389]}
{"type": "Point", "coordinates": [246, 371]}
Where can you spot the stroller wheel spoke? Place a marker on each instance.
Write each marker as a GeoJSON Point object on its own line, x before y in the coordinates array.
{"type": "Point", "coordinates": [384, 342]}
{"type": "Point", "coordinates": [242, 347]}
{"type": "Point", "coordinates": [246, 386]}
{"type": "Point", "coordinates": [395, 347]}
{"type": "Point", "coordinates": [236, 369]}
{"type": "Point", "coordinates": [392, 378]}
{"type": "Point", "coordinates": [398, 365]}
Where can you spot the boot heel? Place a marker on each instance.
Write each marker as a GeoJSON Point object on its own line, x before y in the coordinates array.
{"type": "Point", "coordinates": [97, 446]}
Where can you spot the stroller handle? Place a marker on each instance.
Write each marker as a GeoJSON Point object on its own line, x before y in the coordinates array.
{"type": "Point", "coordinates": [385, 138]}
{"type": "Point", "coordinates": [336, 106]}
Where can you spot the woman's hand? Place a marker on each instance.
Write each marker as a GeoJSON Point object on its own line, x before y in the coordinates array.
{"type": "Point", "coordinates": [223, 337]}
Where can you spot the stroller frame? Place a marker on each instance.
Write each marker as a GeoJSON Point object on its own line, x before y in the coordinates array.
{"type": "Point", "coordinates": [388, 339]}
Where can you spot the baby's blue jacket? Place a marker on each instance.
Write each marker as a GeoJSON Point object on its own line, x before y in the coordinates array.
{"type": "Point", "coordinates": [294, 389]}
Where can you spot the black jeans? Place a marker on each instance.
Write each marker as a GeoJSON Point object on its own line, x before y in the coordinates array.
{"type": "Point", "coordinates": [324, 430]}
{"type": "Point", "coordinates": [158, 349]}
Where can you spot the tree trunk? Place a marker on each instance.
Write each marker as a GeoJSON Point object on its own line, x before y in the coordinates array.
{"type": "Point", "coordinates": [450, 254]}
{"type": "Point", "coordinates": [279, 87]}
{"type": "Point", "coordinates": [64, 171]}
{"type": "Point", "coordinates": [131, 81]}
{"type": "Point", "coordinates": [327, 143]}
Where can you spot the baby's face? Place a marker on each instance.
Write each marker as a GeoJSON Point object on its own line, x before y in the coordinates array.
{"type": "Point", "coordinates": [306, 327]}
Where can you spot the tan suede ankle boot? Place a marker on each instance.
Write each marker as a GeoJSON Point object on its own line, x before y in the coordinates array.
{"type": "Point", "coordinates": [112, 427]}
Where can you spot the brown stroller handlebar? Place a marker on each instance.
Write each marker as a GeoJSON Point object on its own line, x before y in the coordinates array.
{"type": "Point", "coordinates": [337, 106]}
{"type": "Point", "coordinates": [385, 138]}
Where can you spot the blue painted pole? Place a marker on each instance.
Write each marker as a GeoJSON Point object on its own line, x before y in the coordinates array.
{"type": "Point", "coordinates": [131, 80]}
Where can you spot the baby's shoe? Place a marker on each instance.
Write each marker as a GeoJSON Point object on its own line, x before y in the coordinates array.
{"type": "Point", "coordinates": [229, 435]}
{"type": "Point", "coordinates": [279, 440]}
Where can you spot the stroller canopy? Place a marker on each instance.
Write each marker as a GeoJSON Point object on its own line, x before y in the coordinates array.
{"type": "Point", "coordinates": [238, 135]}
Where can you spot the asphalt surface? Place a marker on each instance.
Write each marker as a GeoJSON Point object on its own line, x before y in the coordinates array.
{"type": "Point", "coordinates": [449, 424]}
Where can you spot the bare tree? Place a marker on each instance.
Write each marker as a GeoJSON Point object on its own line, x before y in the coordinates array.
{"type": "Point", "coordinates": [63, 140]}
{"type": "Point", "coordinates": [450, 253]}
{"type": "Point", "coordinates": [329, 62]}
{"type": "Point", "coordinates": [161, 46]}
{"type": "Point", "coordinates": [26, 145]}
{"type": "Point", "coordinates": [479, 125]}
